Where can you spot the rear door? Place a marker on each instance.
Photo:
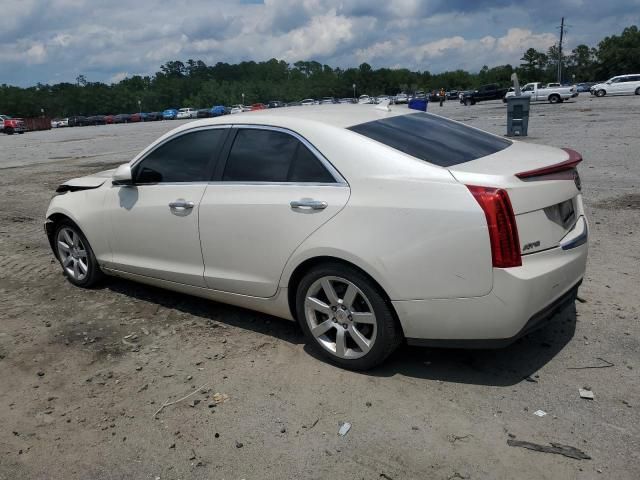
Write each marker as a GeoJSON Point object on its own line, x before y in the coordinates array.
{"type": "Point", "coordinates": [154, 222]}
{"type": "Point", "coordinates": [274, 190]}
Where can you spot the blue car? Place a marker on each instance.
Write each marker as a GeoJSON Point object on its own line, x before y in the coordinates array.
{"type": "Point", "coordinates": [170, 114]}
{"type": "Point", "coordinates": [218, 110]}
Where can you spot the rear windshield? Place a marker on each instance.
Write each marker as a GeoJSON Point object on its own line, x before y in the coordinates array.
{"type": "Point", "coordinates": [431, 138]}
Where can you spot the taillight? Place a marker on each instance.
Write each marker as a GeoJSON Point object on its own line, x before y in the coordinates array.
{"type": "Point", "coordinates": [503, 231]}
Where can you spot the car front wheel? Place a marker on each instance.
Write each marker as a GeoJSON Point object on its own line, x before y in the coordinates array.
{"type": "Point", "coordinates": [601, 93]}
{"type": "Point", "coordinates": [76, 257]}
{"type": "Point", "coordinates": [346, 318]}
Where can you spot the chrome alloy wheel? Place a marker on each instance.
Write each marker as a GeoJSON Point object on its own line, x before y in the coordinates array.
{"type": "Point", "coordinates": [340, 317]}
{"type": "Point", "coordinates": [72, 253]}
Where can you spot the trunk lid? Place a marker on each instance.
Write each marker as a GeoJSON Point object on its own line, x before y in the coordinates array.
{"type": "Point", "coordinates": [545, 201]}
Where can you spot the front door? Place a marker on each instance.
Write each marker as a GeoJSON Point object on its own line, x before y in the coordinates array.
{"type": "Point", "coordinates": [273, 192]}
{"type": "Point", "coordinates": [154, 222]}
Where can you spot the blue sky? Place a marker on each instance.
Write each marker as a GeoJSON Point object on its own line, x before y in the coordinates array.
{"type": "Point", "coordinates": [50, 41]}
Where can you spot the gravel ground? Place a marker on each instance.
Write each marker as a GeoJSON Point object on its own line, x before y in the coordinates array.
{"type": "Point", "coordinates": [82, 372]}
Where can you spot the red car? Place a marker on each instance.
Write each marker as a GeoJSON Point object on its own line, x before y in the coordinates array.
{"type": "Point", "coordinates": [258, 106]}
{"type": "Point", "coordinates": [11, 125]}
{"type": "Point", "coordinates": [108, 119]}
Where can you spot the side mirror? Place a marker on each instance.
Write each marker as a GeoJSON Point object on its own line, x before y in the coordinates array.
{"type": "Point", "coordinates": [122, 175]}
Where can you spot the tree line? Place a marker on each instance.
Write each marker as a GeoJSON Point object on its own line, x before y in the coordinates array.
{"type": "Point", "coordinates": [196, 84]}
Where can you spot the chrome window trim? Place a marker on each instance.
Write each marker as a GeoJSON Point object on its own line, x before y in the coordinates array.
{"type": "Point", "coordinates": [340, 180]}
{"type": "Point", "coordinates": [281, 184]}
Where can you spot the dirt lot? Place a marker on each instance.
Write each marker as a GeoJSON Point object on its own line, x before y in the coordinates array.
{"type": "Point", "coordinates": [82, 372]}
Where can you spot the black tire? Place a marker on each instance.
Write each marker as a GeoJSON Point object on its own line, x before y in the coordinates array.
{"type": "Point", "coordinates": [601, 93]}
{"type": "Point", "coordinates": [638, 91]}
{"type": "Point", "coordinates": [8, 131]}
{"type": "Point", "coordinates": [386, 335]}
{"type": "Point", "coordinates": [93, 274]}
{"type": "Point", "coordinates": [554, 98]}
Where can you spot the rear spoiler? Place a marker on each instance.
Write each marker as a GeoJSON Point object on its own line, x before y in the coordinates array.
{"type": "Point", "coordinates": [574, 159]}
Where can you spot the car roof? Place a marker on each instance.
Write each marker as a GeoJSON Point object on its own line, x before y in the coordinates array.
{"type": "Point", "coordinates": [334, 115]}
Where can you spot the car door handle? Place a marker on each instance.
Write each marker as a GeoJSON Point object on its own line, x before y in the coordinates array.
{"type": "Point", "coordinates": [182, 204]}
{"type": "Point", "coordinates": [308, 204]}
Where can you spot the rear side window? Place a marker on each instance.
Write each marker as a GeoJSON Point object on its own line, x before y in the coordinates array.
{"type": "Point", "coordinates": [433, 139]}
{"type": "Point", "coordinates": [271, 156]}
{"type": "Point", "coordinates": [183, 159]}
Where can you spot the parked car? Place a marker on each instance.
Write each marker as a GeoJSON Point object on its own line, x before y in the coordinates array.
{"type": "Point", "coordinates": [364, 99]}
{"type": "Point", "coordinates": [186, 112]}
{"type": "Point", "coordinates": [96, 120]}
{"type": "Point", "coordinates": [401, 98]}
{"type": "Point", "coordinates": [452, 94]}
{"type": "Point", "coordinates": [170, 114]}
{"type": "Point", "coordinates": [275, 104]}
{"type": "Point", "coordinates": [237, 109]}
{"type": "Point", "coordinates": [327, 101]}
{"type": "Point", "coordinates": [77, 121]}
{"type": "Point", "coordinates": [618, 85]}
{"type": "Point", "coordinates": [382, 98]}
{"type": "Point", "coordinates": [307, 102]}
{"type": "Point", "coordinates": [506, 256]}
{"type": "Point", "coordinates": [138, 117]}
{"type": "Point", "coordinates": [59, 122]}
{"type": "Point", "coordinates": [537, 93]}
{"type": "Point", "coordinates": [347, 100]}
{"type": "Point", "coordinates": [483, 93]}
{"type": "Point", "coordinates": [10, 125]}
{"type": "Point", "coordinates": [122, 118]}
{"type": "Point", "coordinates": [584, 86]}
{"type": "Point", "coordinates": [203, 113]}
{"type": "Point", "coordinates": [219, 110]}
{"type": "Point", "coordinates": [258, 106]}
{"type": "Point", "coordinates": [154, 116]}
{"type": "Point", "coordinates": [108, 119]}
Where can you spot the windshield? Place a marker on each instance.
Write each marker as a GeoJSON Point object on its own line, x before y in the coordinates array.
{"type": "Point", "coordinates": [433, 139]}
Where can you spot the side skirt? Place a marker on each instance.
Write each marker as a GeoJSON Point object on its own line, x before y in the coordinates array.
{"type": "Point", "coordinates": [278, 305]}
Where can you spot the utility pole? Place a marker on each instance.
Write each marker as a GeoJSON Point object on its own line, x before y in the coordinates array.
{"type": "Point", "coordinates": [560, 51]}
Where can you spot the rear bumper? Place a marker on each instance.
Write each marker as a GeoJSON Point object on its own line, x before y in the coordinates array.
{"type": "Point", "coordinates": [538, 320]}
{"type": "Point", "coordinates": [522, 298]}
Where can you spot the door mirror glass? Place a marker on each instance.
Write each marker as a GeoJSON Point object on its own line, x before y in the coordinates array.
{"type": "Point", "coordinates": [122, 175]}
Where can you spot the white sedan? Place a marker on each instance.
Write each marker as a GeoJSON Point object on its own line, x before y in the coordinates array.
{"type": "Point", "coordinates": [186, 113]}
{"type": "Point", "coordinates": [368, 226]}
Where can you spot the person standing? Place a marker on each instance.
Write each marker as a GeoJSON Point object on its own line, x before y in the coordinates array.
{"type": "Point", "coordinates": [442, 94]}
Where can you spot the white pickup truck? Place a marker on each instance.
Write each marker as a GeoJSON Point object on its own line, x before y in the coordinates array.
{"type": "Point", "coordinates": [539, 93]}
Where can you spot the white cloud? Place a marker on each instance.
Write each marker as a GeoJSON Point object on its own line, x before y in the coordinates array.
{"type": "Point", "coordinates": [37, 53]}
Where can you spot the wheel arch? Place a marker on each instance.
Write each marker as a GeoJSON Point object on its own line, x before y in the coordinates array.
{"type": "Point", "coordinates": [50, 225]}
{"type": "Point", "coordinates": [305, 266]}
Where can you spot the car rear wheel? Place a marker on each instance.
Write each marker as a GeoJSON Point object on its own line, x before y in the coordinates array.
{"type": "Point", "coordinates": [76, 257]}
{"type": "Point", "coordinates": [8, 131]}
{"type": "Point", "coordinates": [346, 318]}
{"type": "Point", "coordinates": [601, 93]}
{"type": "Point", "coordinates": [554, 98]}
{"type": "Point", "coordinates": [638, 91]}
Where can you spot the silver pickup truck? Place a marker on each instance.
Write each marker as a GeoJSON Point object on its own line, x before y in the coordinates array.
{"type": "Point", "coordinates": [539, 93]}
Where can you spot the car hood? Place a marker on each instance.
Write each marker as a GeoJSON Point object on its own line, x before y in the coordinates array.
{"type": "Point", "coordinates": [94, 180]}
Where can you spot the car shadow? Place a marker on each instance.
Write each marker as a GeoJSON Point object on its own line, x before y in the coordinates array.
{"type": "Point", "coordinates": [496, 367]}
{"type": "Point", "coordinates": [209, 310]}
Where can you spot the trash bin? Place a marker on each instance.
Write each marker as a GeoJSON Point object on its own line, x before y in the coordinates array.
{"type": "Point", "coordinates": [518, 116]}
{"type": "Point", "coordinates": [418, 104]}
